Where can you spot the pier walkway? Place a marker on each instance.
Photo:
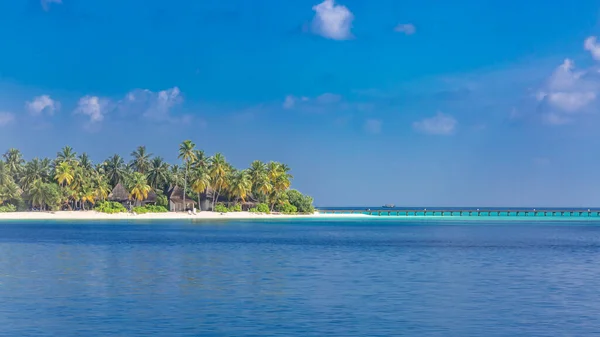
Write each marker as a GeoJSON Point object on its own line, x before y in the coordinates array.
{"type": "Point", "coordinates": [466, 212]}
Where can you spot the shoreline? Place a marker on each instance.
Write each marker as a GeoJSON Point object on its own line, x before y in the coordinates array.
{"type": "Point", "coordinates": [93, 215]}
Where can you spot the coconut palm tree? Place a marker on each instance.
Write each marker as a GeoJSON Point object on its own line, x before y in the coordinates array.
{"type": "Point", "coordinates": [88, 194]}
{"type": "Point", "coordinates": [64, 174]}
{"type": "Point", "coordinates": [114, 169]}
{"type": "Point", "coordinates": [141, 160]}
{"type": "Point", "coordinates": [158, 174]}
{"type": "Point", "coordinates": [187, 154]}
{"type": "Point", "coordinates": [218, 169]}
{"type": "Point", "coordinates": [85, 162]}
{"type": "Point", "coordinates": [66, 155]}
{"type": "Point", "coordinates": [138, 187]}
{"type": "Point", "coordinates": [14, 160]}
{"type": "Point", "coordinates": [261, 185]}
{"type": "Point", "coordinates": [35, 169]}
{"type": "Point", "coordinates": [200, 182]}
{"type": "Point", "coordinates": [101, 186]}
{"type": "Point", "coordinates": [240, 185]}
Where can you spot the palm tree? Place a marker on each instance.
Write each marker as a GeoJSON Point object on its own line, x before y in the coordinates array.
{"type": "Point", "coordinates": [64, 174]}
{"type": "Point", "coordinates": [141, 160]}
{"type": "Point", "coordinates": [158, 174]}
{"type": "Point", "coordinates": [200, 182]}
{"type": "Point", "coordinates": [8, 188]}
{"type": "Point", "coordinates": [14, 160]}
{"type": "Point", "coordinates": [188, 155]}
{"type": "Point", "coordinates": [34, 170]}
{"type": "Point", "coordinates": [261, 185]}
{"type": "Point", "coordinates": [88, 194]}
{"type": "Point", "coordinates": [101, 187]}
{"type": "Point", "coordinates": [138, 187]}
{"type": "Point", "coordinates": [85, 162]}
{"type": "Point", "coordinates": [280, 180]}
{"type": "Point", "coordinates": [218, 169]}
{"type": "Point", "coordinates": [240, 185]}
{"type": "Point", "coordinates": [66, 155]}
{"type": "Point", "coordinates": [114, 169]}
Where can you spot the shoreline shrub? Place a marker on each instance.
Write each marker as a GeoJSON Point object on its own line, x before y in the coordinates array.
{"type": "Point", "coordinates": [8, 208]}
{"type": "Point", "coordinates": [221, 208]}
{"type": "Point", "coordinates": [235, 208]}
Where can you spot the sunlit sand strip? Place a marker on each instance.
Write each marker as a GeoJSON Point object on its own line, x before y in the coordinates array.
{"type": "Point", "coordinates": [92, 215]}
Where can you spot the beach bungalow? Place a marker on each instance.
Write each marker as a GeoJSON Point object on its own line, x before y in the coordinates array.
{"type": "Point", "coordinates": [175, 195]}
{"type": "Point", "coordinates": [119, 194]}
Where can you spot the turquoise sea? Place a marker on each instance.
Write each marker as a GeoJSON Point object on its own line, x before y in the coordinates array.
{"type": "Point", "coordinates": [366, 277]}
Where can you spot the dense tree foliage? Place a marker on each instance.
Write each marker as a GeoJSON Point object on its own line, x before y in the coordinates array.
{"type": "Point", "coordinates": [70, 182]}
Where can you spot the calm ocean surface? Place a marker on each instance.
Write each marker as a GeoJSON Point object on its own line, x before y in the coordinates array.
{"type": "Point", "coordinates": [299, 278]}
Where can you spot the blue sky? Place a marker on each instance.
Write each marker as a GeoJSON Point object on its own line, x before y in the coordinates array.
{"type": "Point", "coordinates": [417, 103]}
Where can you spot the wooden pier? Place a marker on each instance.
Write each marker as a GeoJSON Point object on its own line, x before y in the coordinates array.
{"type": "Point", "coordinates": [467, 212]}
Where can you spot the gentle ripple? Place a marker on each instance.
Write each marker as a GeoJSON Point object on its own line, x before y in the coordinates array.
{"type": "Point", "coordinates": [306, 278]}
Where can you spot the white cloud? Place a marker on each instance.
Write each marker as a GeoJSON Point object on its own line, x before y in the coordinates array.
{"type": "Point", "coordinates": [332, 21]}
{"type": "Point", "coordinates": [568, 92]}
{"type": "Point", "coordinates": [315, 104]}
{"type": "Point", "coordinates": [373, 126]}
{"type": "Point", "coordinates": [6, 118]}
{"type": "Point", "coordinates": [42, 104]}
{"type": "Point", "coordinates": [328, 98]}
{"type": "Point", "coordinates": [554, 118]}
{"type": "Point", "coordinates": [406, 28]}
{"type": "Point", "coordinates": [289, 102]}
{"type": "Point", "coordinates": [46, 3]}
{"type": "Point", "coordinates": [590, 44]}
{"type": "Point", "coordinates": [155, 106]}
{"type": "Point", "coordinates": [92, 106]}
{"type": "Point", "coordinates": [440, 124]}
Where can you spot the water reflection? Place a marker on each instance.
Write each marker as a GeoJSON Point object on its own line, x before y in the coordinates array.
{"type": "Point", "coordinates": [298, 279]}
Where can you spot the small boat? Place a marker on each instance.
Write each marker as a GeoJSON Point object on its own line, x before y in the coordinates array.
{"type": "Point", "coordinates": [389, 206]}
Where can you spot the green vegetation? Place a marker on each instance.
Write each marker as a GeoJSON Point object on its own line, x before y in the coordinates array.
{"type": "Point", "coordinates": [221, 208]}
{"type": "Point", "coordinates": [110, 207]}
{"type": "Point", "coordinates": [303, 203]}
{"type": "Point", "coordinates": [287, 208]}
{"type": "Point", "coordinates": [262, 208]}
{"type": "Point", "coordinates": [235, 208]}
{"type": "Point", "coordinates": [73, 182]}
{"type": "Point", "coordinates": [149, 209]}
{"type": "Point", "coordinates": [6, 208]}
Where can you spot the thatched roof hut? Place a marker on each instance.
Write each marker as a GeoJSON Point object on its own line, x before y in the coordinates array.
{"type": "Point", "coordinates": [151, 198]}
{"type": "Point", "coordinates": [119, 194]}
{"type": "Point", "coordinates": [175, 195]}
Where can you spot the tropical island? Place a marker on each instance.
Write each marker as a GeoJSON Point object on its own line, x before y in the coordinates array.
{"type": "Point", "coordinates": [72, 183]}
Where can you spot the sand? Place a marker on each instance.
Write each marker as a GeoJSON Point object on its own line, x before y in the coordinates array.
{"type": "Point", "coordinates": [93, 215]}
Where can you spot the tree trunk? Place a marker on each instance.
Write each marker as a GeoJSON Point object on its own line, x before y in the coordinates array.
{"type": "Point", "coordinates": [185, 187]}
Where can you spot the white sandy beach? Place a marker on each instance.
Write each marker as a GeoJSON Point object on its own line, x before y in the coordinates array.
{"type": "Point", "coordinates": [93, 215]}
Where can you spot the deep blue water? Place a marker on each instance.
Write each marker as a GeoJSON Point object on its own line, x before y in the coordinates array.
{"type": "Point", "coordinates": [307, 278]}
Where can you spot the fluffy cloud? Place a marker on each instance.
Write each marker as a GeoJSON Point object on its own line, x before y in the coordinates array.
{"type": "Point", "coordinates": [568, 92]}
{"type": "Point", "coordinates": [154, 106]}
{"type": "Point", "coordinates": [373, 126]}
{"type": "Point", "coordinates": [139, 103]}
{"type": "Point", "coordinates": [406, 28]}
{"type": "Point", "coordinates": [315, 104]}
{"type": "Point", "coordinates": [289, 102]}
{"type": "Point", "coordinates": [93, 107]}
{"type": "Point", "coordinates": [440, 124]}
{"type": "Point", "coordinates": [46, 3]}
{"type": "Point", "coordinates": [590, 44]}
{"type": "Point", "coordinates": [332, 21]}
{"type": "Point", "coordinates": [6, 118]}
{"type": "Point", "coordinates": [42, 104]}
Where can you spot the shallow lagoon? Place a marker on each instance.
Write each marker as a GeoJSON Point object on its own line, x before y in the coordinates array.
{"type": "Point", "coordinates": [300, 278]}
